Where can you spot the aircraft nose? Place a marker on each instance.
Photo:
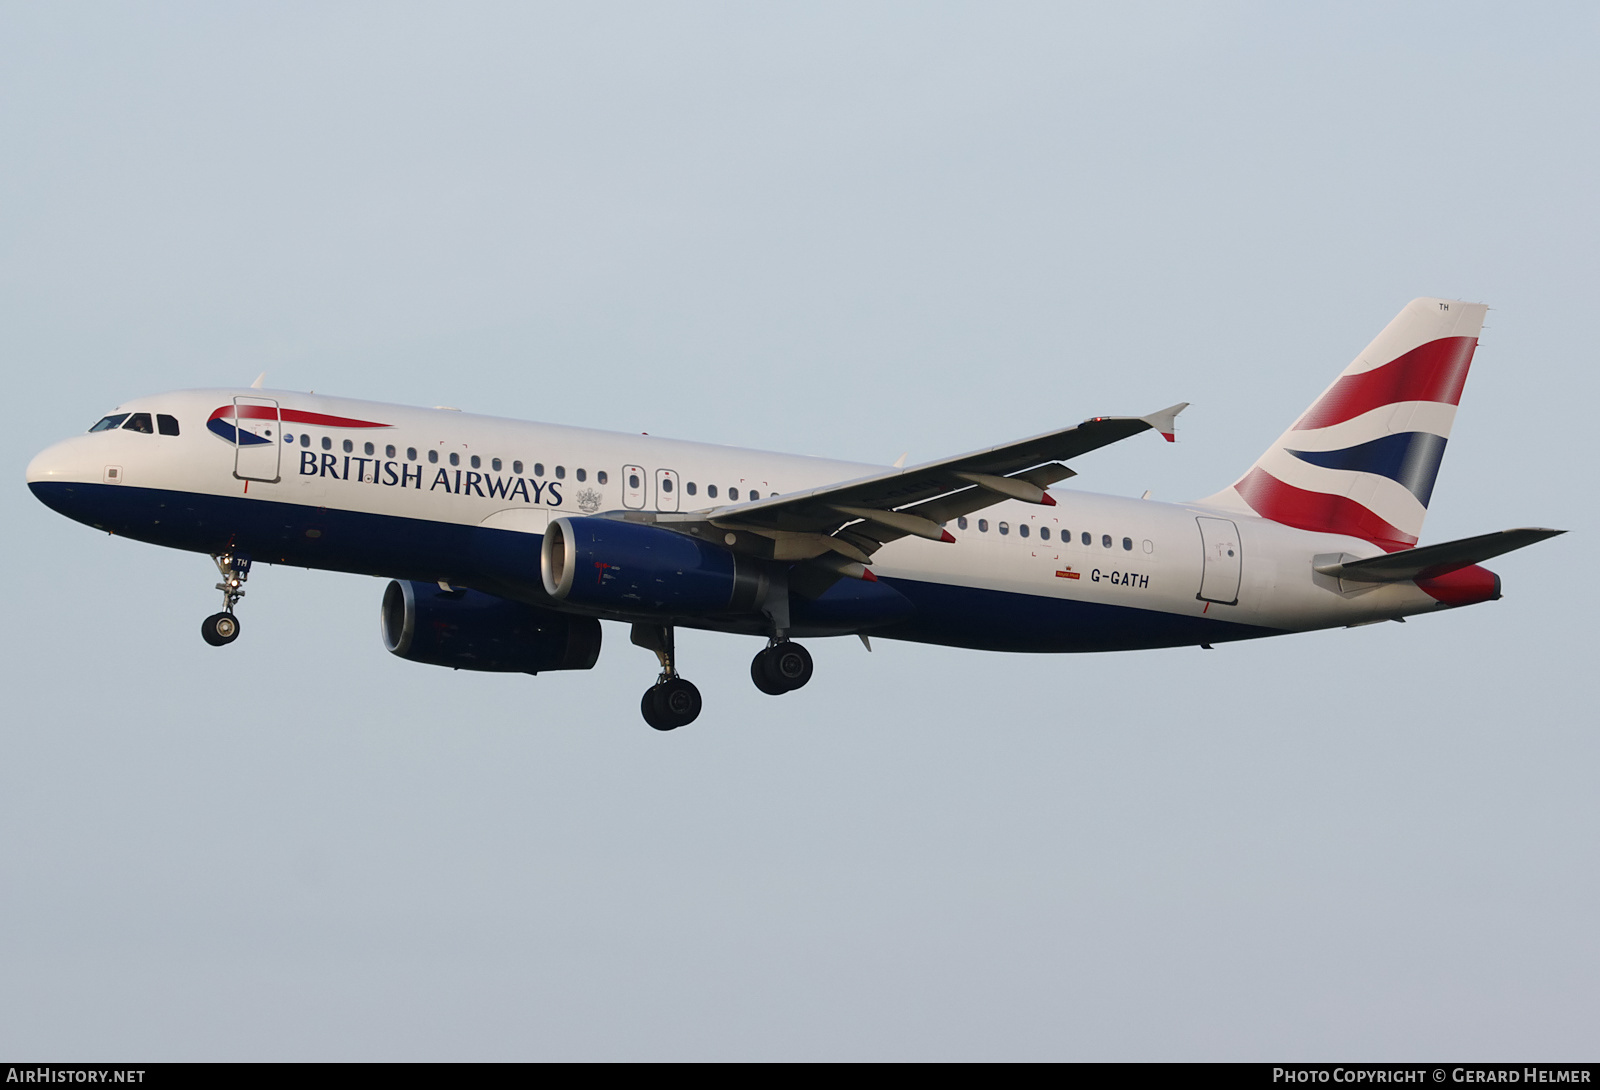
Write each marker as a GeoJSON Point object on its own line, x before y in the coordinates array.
{"type": "Point", "coordinates": [57, 474]}
{"type": "Point", "coordinates": [55, 464]}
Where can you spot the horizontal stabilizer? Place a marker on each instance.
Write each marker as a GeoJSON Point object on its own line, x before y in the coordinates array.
{"type": "Point", "coordinates": [1431, 561]}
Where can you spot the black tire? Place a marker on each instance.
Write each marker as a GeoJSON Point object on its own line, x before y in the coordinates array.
{"type": "Point", "coordinates": [761, 674]}
{"type": "Point", "coordinates": [677, 703]}
{"type": "Point", "coordinates": [220, 629]}
{"type": "Point", "coordinates": [651, 713]}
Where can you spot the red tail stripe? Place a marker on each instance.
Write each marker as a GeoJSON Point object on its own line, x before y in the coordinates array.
{"type": "Point", "coordinates": [1435, 371]}
{"type": "Point", "coordinates": [1319, 511]}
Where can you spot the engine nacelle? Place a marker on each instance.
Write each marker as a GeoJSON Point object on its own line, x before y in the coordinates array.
{"type": "Point", "coordinates": [470, 630]}
{"type": "Point", "coordinates": [632, 567]}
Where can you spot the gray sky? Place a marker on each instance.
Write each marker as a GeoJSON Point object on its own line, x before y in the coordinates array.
{"type": "Point", "coordinates": [829, 229]}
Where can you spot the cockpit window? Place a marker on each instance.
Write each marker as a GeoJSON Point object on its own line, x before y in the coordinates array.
{"type": "Point", "coordinates": [167, 425]}
{"type": "Point", "coordinates": [140, 422]}
{"type": "Point", "coordinates": [108, 422]}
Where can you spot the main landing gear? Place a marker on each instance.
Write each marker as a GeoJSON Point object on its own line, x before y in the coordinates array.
{"type": "Point", "coordinates": [221, 629]}
{"type": "Point", "coordinates": [782, 667]}
{"type": "Point", "coordinates": [672, 702]}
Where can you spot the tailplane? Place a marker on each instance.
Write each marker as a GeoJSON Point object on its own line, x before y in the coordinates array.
{"type": "Point", "coordinates": [1363, 458]}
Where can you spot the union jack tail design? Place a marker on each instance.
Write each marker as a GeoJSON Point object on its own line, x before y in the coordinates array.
{"type": "Point", "coordinates": [1363, 458]}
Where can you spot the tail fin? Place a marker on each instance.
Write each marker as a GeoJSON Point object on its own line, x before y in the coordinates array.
{"type": "Point", "coordinates": [1363, 458]}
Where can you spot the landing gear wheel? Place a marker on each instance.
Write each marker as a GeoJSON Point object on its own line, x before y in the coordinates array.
{"type": "Point", "coordinates": [220, 629]}
{"type": "Point", "coordinates": [671, 704]}
{"type": "Point", "coordinates": [781, 668]}
{"type": "Point", "coordinates": [759, 675]}
{"type": "Point", "coordinates": [647, 708]}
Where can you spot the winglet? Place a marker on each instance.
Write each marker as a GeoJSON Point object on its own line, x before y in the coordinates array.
{"type": "Point", "coordinates": [1165, 421]}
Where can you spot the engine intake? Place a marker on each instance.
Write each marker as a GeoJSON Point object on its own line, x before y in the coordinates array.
{"type": "Point", "coordinates": [634, 568]}
{"type": "Point", "coordinates": [470, 630]}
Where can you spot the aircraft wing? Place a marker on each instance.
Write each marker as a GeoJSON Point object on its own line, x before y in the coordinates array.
{"type": "Point", "coordinates": [860, 515]}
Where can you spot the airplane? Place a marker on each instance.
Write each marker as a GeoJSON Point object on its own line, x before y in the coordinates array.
{"type": "Point", "coordinates": [506, 543]}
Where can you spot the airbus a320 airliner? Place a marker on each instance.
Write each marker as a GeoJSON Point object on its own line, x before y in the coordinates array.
{"type": "Point", "coordinates": [508, 542]}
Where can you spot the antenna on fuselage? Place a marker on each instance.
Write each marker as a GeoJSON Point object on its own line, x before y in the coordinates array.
{"type": "Point", "coordinates": [256, 385]}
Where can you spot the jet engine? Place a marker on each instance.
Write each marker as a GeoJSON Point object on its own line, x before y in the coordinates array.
{"type": "Point", "coordinates": [635, 568]}
{"type": "Point", "coordinates": [470, 630]}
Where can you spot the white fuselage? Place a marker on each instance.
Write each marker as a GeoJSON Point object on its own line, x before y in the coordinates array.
{"type": "Point", "coordinates": [428, 474]}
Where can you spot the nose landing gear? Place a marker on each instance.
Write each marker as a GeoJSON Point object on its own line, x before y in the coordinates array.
{"type": "Point", "coordinates": [782, 667]}
{"type": "Point", "coordinates": [672, 702]}
{"type": "Point", "coordinates": [221, 629]}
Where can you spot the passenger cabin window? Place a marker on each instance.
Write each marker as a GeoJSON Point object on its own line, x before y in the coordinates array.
{"type": "Point", "coordinates": [733, 493]}
{"type": "Point", "coordinates": [538, 469]}
{"type": "Point", "coordinates": [1127, 544]}
{"type": "Point", "coordinates": [476, 461]}
{"type": "Point", "coordinates": [754, 494]}
{"type": "Point", "coordinates": [583, 476]}
{"type": "Point", "coordinates": [1088, 539]}
{"type": "Point", "coordinates": [1105, 540]}
{"type": "Point", "coordinates": [689, 487]}
{"type": "Point", "coordinates": [983, 526]}
{"type": "Point", "coordinates": [455, 459]}
{"type": "Point", "coordinates": [711, 491]}
{"type": "Point", "coordinates": [961, 523]}
{"type": "Point", "coordinates": [140, 422]}
{"type": "Point", "coordinates": [433, 456]}
{"type": "Point", "coordinates": [411, 454]}
{"type": "Point", "coordinates": [666, 483]}
{"type": "Point", "coordinates": [561, 473]}
{"type": "Point", "coordinates": [1044, 533]}
{"type": "Point", "coordinates": [388, 451]}
{"type": "Point", "coordinates": [168, 425]}
{"type": "Point", "coordinates": [1022, 530]}
{"type": "Point", "coordinates": [369, 449]}
{"type": "Point", "coordinates": [495, 465]}
{"type": "Point", "coordinates": [305, 440]}
{"type": "Point", "coordinates": [327, 444]}
{"type": "Point", "coordinates": [516, 467]}
{"type": "Point", "coordinates": [349, 447]}
{"type": "Point", "coordinates": [602, 478]}
{"type": "Point", "coordinates": [107, 423]}
{"type": "Point", "coordinates": [633, 480]}
{"type": "Point", "coordinates": [1005, 527]}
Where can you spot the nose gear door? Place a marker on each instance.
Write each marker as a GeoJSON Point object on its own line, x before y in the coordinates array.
{"type": "Point", "coordinates": [1219, 578]}
{"type": "Point", "coordinates": [258, 439]}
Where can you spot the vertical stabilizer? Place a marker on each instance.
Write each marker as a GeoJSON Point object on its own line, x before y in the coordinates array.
{"type": "Point", "coordinates": [1363, 458]}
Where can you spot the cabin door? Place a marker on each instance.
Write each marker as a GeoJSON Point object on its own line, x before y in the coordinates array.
{"type": "Point", "coordinates": [1219, 578]}
{"type": "Point", "coordinates": [257, 439]}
